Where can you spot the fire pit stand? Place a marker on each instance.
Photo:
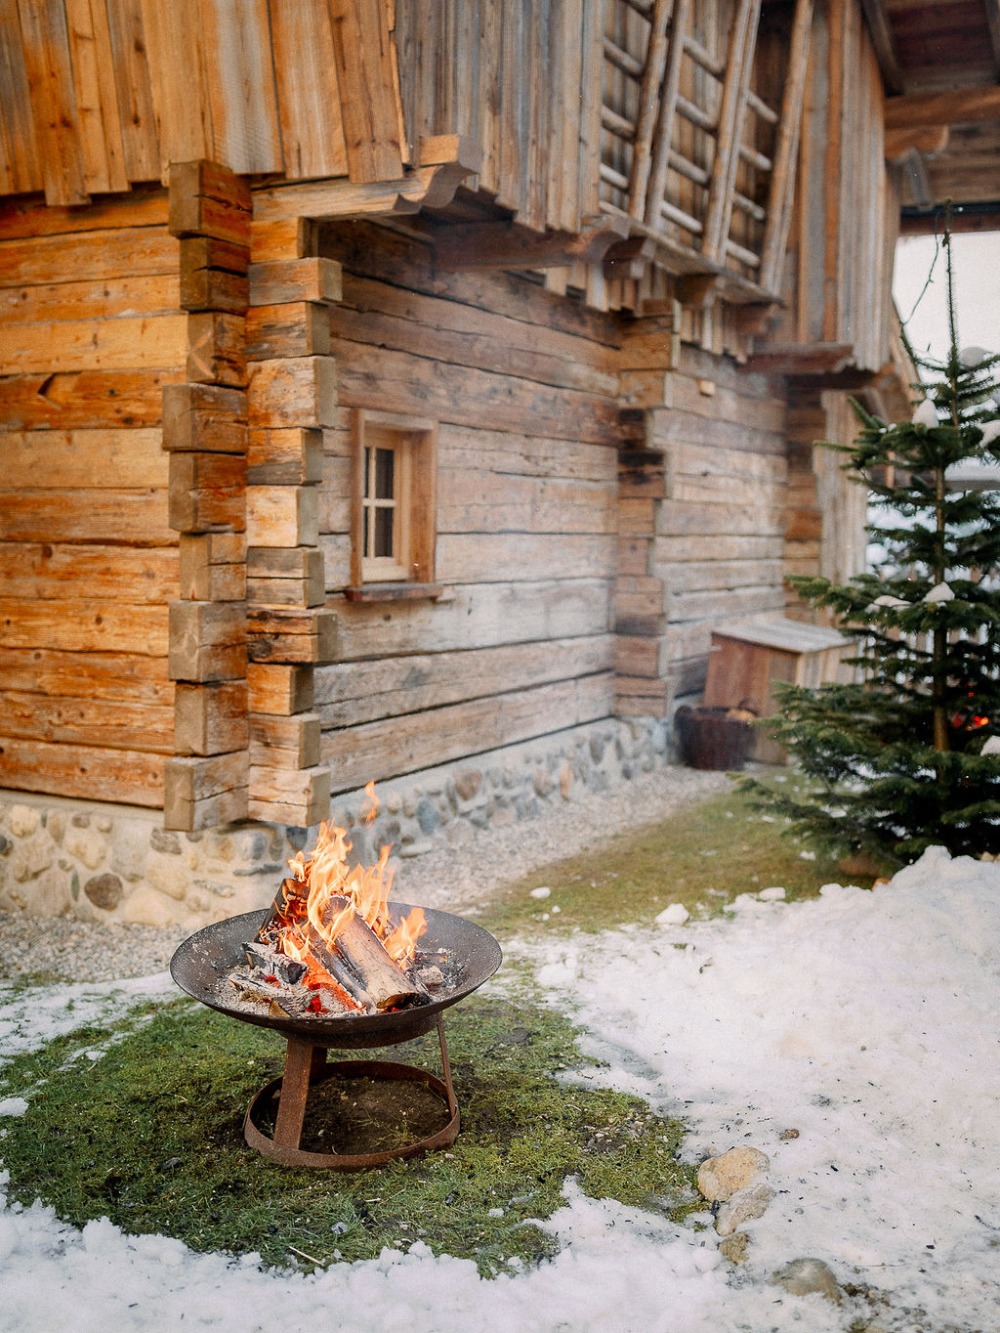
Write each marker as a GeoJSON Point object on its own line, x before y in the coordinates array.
{"type": "Point", "coordinates": [306, 1067]}
{"type": "Point", "coordinates": [203, 964]}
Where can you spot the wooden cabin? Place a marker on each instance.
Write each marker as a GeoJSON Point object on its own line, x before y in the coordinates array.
{"type": "Point", "coordinates": [388, 384]}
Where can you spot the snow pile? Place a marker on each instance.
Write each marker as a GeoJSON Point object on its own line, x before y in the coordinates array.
{"type": "Point", "coordinates": [853, 1039]}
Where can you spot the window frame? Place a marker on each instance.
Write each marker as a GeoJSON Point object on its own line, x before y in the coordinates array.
{"type": "Point", "coordinates": [413, 442]}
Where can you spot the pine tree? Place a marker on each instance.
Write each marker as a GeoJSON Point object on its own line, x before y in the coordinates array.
{"type": "Point", "coordinates": [895, 762]}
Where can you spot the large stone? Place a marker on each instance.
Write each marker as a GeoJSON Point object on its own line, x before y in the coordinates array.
{"type": "Point", "coordinates": [744, 1206]}
{"type": "Point", "coordinates": [104, 891]}
{"type": "Point", "coordinates": [468, 783]}
{"type": "Point", "coordinates": [805, 1277]}
{"type": "Point", "coordinates": [428, 816]}
{"type": "Point", "coordinates": [720, 1177]}
{"type": "Point", "coordinates": [145, 907]}
{"type": "Point", "coordinates": [86, 844]}
{"type": "Point", "coordinates": [23, 820]}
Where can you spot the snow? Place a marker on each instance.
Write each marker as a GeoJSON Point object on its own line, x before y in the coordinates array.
{"type": "Point", "coordinates": [852, 1038]}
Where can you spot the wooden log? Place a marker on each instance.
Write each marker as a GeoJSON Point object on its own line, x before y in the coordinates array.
{"type": "Point", "coordinates": [91, 772]}
{"type": "Point", "coordinates": [285, 238]}
{"type": "Point", "coordinates": [213, 567]}
{"type": "Point", "coordinates": [300, 328]}
{"type": "Point", "coordinates": [203, 793]}
{"type": "Point", "coordinates": [270, 962]}
{"type": "Point", "coordinates": [368, 89]}
{"type": "Point", "coordinates": [84, 459]}
{"type": "Point", "coordinates": [89, 399]}
{"type": "Point", "coordinates": [109, 676]}
{"type": "Point", "coordinates": [83, 626]}
{"type": "Point", "coordinates": [282, 515]}
{"type": "Point", "coordinates": [154, 295]}
{"type": "Point", "coordinates": [121, 252]}
{"type": "Point", "coordinates": [207, 492]}
{"type": "Point", "coordinates": [75, 719]}
{"type": "Point", "coordinates": [209, 200]}
{"type": "Point", "coordinates": [278, 634]}
{"type": "Point", "coordinates": [286, 576]}
{"type": "Point", "coordinates": [285, 742]}
{"type": "Point", "coordinates": [284, 457]}
{"type": "Point", "coordinates": [312, 135]}
{"type": "Point", "coordinates": [217, 348]}
{"type": "Point", "coordinates": [279, 689]}
{"type": "Point", "coordinates": [204, 418]}
{"type": "Point", "coordinates": [211, 718]}
{"type": "Point", "coordinates": [300, 798]}
{"type": "Point", "coordinates": [300, 391]}
{"type": "Point", "coordinates": [46, 570]}
{"type": "Point", "coordinates": [365, 955]}
{"type": "Point", "coordinates": [97, 344]}
{"type": "Point", "coordinates": [289, 281]}
{"type": "Point", "coordinates": [207, 641]}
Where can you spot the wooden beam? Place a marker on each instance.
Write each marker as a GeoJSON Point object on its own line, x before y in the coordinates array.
{"type": "Point", "coordinates": [781, 191]}
{"type": "Point", "coordinates": [369, 90]}
{"type": "Point", "coordinates": [657, 50]}
{"type": "Point", "coordinates": [961, 106]}
{"type": "Point", "coordinates": [430, 187]}
{"type": "Point", "coordinates": [507, 245]}
{"type": "Point", "coordinates": [930, 139]}
{"type": "Point", "coordinates": [992, 8]}
{"type": "Point", "coordinates": [739, 64]}
{"type": "Point", "coordinates": [913, 170]}
{"type": "Point", "coordinates": [660, 153]}
{"type": "Point", "coordinates": [803, 358]}
{"type": "Point", "coordinates": [880, 31]}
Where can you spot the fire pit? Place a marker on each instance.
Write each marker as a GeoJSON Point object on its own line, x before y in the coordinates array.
{"type": "Point", "coordinates": [203, 965]}
{"type": "Point", "coordinates": [334, 964]}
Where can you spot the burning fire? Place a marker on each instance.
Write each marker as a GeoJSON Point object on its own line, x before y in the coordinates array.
{"type": "Point", "coordinates": [323, 899]}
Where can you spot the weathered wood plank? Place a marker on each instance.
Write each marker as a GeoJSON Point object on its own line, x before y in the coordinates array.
{"type": "Point", "coordinates": [50, 81]}
{"type": "Point", "coordinates": [190, 784]}
{"type": "Point", "coordinates": [469, 396]}
{"type": "Point", "coordinates": [350, 693]}
{"type": "Point", "coordinates": [241, 90]}
{"type": "Point", "coordinates": [291, 634]}
{"type": "Point", "coordinates": [357, 755]}
{"type": "Point", "coordinates": [110, 676]}
{"type": "Point", "coordinates": [102, 344]}
{"type": "Point", "coordinates": [136, 516]}
{"type": "Point", "coordinates": [369, 95]}
{"type": "Point", "coordinates": [72, 625]}
{"type": "Point", "coordinates": [46, 570]}
{"type": "Point", "coordinates": [135, 95]}
{"type": "Point", "coordinates": [286, 577]}
{"type": "Point", "coordinates": [96, 98]}
{"type": "Point", "coordinates": [86, 400]}
{"type": "Point", "coordinates": [480, 615]}
{"type": "Point", "coordinates": [296, 329]}
{"type": "Point", "coordinates": [128, 777]}
{"type": "Point", "coordinates": [20, 167]}
{"type": "Point", "coordinates": [94, 255]}
{"type": "Point", "coordinates": [85, 459]}
{"type": "Point", "coordinates": [152, 295]}
{"type": "Point", "coordinates": [69, 720]}
{"type": "Point", "coordinates": [216, 349]}
{"type": "Point", "coordinates": [298, 798]}
{"type": "Point", "coordinates": [474, 557]}
{"type": "Point", "coordinates": [308, 95]}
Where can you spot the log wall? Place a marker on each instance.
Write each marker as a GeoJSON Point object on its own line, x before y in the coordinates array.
{"type": "Point", "coordinates": [94, 331]}
{"type": "Point", "coordinates": [519, 644]}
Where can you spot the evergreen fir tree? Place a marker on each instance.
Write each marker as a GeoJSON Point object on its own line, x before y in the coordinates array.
{"type": "Point", "coordinates": [895, 762]}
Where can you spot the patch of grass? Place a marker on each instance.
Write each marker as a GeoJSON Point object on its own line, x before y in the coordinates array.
{"type": "Point", "coordinates": [704, 856]}
{"type": "Point", "coordinates": [150, 1135]}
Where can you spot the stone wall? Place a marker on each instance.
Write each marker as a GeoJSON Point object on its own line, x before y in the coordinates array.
{"type": "Point", "coordinates": [101, 862]}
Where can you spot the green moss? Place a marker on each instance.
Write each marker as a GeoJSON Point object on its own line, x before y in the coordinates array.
{"type": "Point", "coordinates": [150, 1135]}
{"type": "Point", "coordinates": [704, 856]}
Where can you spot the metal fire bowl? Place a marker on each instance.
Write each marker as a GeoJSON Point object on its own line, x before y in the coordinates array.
{"type": "Point", "coordinates": [205, 959]}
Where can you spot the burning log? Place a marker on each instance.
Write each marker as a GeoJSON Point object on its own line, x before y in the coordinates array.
{"type": "Point", "coordinates": [329, 929]}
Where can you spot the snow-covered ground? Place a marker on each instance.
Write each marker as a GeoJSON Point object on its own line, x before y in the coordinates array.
{"type": "Point", "coordinates": [866, 1022]}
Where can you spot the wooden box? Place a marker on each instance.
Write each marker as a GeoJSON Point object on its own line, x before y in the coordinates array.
{"type": "Point", "coordinates": [748, 657]}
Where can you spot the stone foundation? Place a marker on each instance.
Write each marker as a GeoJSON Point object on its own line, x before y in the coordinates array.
{"type": "Point", "coordinates": [103, 862]}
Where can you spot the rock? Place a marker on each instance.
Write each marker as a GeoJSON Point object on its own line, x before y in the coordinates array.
{"type": "Point", "coordinates": [467, 783]}
{"type": "Point", "coordinates": [805, 1277]}
{"type": "Point", "coordinates": [744, 1206]}
{"type": "Point", "coordinates": [734, 1247]}
{"type": "Point", "coordinates": [674, 915]}
{"type": "Point", "coordinates": [23, 820]}
{"type": "Point", "coordinates": [428, 816]}
{"type": "Point", "coordinates": [720, 1177]}
{"type": "Point", "coordinates": [104, 891]}
{"type": "Point", "coordinates": [772, 895]}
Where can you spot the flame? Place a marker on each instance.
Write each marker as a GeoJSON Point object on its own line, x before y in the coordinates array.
{"type": "Point", "coordinates": [325, 893]}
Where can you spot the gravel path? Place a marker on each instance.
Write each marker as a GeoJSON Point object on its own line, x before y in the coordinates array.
{"type": "Point", "coordinates": [457, 877]}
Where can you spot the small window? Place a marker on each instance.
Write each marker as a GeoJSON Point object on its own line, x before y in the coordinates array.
{"type": "Point", "coordinates": [393, 518]}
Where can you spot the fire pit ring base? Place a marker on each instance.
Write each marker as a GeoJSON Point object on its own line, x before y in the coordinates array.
{"type": "Point", "coordinates": [306, 1067]}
